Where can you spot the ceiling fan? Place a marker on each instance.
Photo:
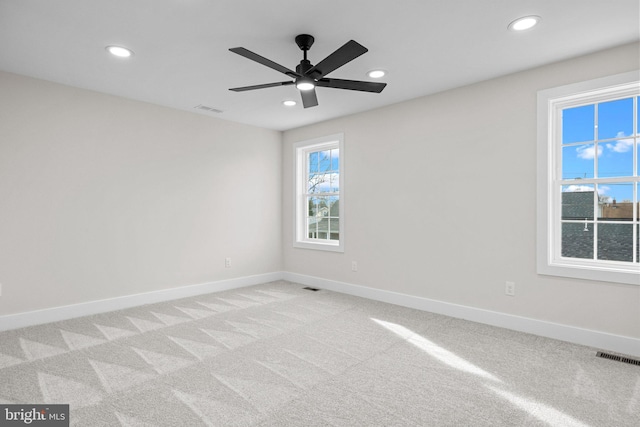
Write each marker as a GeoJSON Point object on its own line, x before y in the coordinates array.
{"type": "Point", "coordinates": [308, 76]}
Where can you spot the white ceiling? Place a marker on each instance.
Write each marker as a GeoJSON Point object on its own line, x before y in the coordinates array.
{"type": "Point", "coordinates": [182, 59]}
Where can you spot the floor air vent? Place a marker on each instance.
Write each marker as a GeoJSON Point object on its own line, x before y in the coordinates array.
{"type": "Point", "coordinates": [311, 289]}
{"type": "Point", "coordinates": [618, 358]}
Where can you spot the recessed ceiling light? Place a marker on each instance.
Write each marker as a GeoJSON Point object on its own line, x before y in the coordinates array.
{"type": "Point", "coordinates": [376, 74]}
{"type": "Point", "coordinates": [289, 103]}
{"type": "Point", "coordinates": [524, 23]}
{"type": "Point", "coordinates": [119, 51]}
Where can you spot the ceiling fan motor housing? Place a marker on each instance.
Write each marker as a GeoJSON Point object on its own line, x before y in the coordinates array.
{"type": "Point", "coordinates": [305, 65]}
{"type": "Point", "coordinates": [304, 41]}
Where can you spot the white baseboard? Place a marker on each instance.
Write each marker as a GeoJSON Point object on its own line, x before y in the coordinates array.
{"type": "Point", "coordinates": [616, 343]}
{"type": "Point", "coordinates": [601, 340]}
{"type": "Point", "coordinates": [30, 318]}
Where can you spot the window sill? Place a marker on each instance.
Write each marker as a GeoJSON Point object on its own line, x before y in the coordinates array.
{"type": "Point", "coordinates": [590, 271]}
{"type": "Point", "coordinates": [331, 247]}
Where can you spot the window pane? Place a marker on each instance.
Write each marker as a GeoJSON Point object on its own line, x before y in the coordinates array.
{"type": "Point", "coordinates": [615, 202]}
{"type": "Point", "coordinates": [577, 202]}
{"type": "Point", "coordinates": [578, 124]}
{"type": "Point", "coordinates": [334, 186]}
{"type": "Point", "coordinates": [318, 227]}
{"type": "Point", "coordinates": [318, 206]}
{"type": "Point", "coordinates": [615, 118]}
{"type": "Point", "coordinates": [324, 160]}
{"type": "Point", "coordinates": [335, 159]}
{"type": "Point", "coordinates": [615, 242]}
{"type": "Point", "coordinates": [312, 228]}
{"type": "Point", "coordinates": [577, 240]}
{"type": "Point", "coordinates": [578, 161]}
{"type": "Point", "coordinates": [334, 229]}
{"type": "Point", "coordinates": [325, 178]}
{"type": "Point", "coordinates": [638, 116]}
{"type": "Point", "coordinates": [319, 183]}
{"type": "Point", "coordinates": [323, 221]}
{"type": "Point", "coordinates": [313, 162]}
{"type": "Point", "coordinates": [616, 158]}
{"type": "Point", "coordinates": [334, 206]}
{"type": "Point", "coordinates": [311, 207]}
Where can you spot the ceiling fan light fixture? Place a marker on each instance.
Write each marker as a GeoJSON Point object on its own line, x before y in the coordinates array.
{"type": "Point", "coordinates": [305, 84]}
{"type": "Point", "coordinates": [524, 23]}
{"type": "Point", "coordinates": [376, 74]}
{"type": "Point", "coordinates": [119, 51]}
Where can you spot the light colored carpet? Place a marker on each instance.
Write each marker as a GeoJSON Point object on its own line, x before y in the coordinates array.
{"type": "Point", "coordinates": [278, 355]}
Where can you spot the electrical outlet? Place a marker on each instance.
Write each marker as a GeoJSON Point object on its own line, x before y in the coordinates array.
{"type": "Point", "coordinates": [510, 289]}
{"type": "Point", "coordinates": [354, 266]}
{"type": "Point", "coordinates": [227, 262]}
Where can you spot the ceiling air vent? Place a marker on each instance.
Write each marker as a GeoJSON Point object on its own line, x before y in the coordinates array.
{"type": "Point", "coordinates": [205, 108]}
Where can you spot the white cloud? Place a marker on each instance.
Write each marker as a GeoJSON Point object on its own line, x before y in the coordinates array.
{"type": "Point", "coordinates": [621, 146]}
{"type": "Point", "coordinates": [574, 188]}
{"type": "Point", "coordinates": [587, 152]}
{"type": "Point", "coordinates": [602, 189]}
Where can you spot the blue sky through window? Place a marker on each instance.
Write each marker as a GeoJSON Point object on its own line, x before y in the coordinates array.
{"type": "Point", "coordinates": [603, 131]}
{"type": "Point", "coordinates": [324, 169]}
{"type": "Point", "coordinates": [615, 118]}
{"type": "Point", "coordinates": [578, 124]}
{"type": "Point", "coordinates": [638, 115]}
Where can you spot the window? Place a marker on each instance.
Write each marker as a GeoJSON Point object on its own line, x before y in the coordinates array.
{"type": "Point", "coordinates": [588, 180]}
{"type": "Point", "coordinates": [319, 202]}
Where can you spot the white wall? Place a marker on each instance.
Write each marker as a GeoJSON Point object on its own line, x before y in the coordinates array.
{"type": "Point", "coordinates": [102, 197]}
{"type": "Point", "coordinates": [440, 201]}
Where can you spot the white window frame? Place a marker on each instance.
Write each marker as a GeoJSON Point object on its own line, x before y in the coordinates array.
{"type": "Point", "coordinates": [551, 102]}
{"type": "Point", "coordinates": [301, 151]}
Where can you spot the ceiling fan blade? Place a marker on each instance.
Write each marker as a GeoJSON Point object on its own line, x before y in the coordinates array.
{"type": "Point", "coordinates": [266, 85]}
{"type": "Point", "coordinates": [348, 52]}
{"type": "Point", "coordinates": [309, 98]}
{"type": "Point", "coordinates": [352, 85]}
{"type": "Point", "coordinates": [264, 61]}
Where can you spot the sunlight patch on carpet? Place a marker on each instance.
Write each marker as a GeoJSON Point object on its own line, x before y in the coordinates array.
{"type": "Point", "coordinates": [545, 413]}
{"type": "Point", "coordinates": [435, 351]}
